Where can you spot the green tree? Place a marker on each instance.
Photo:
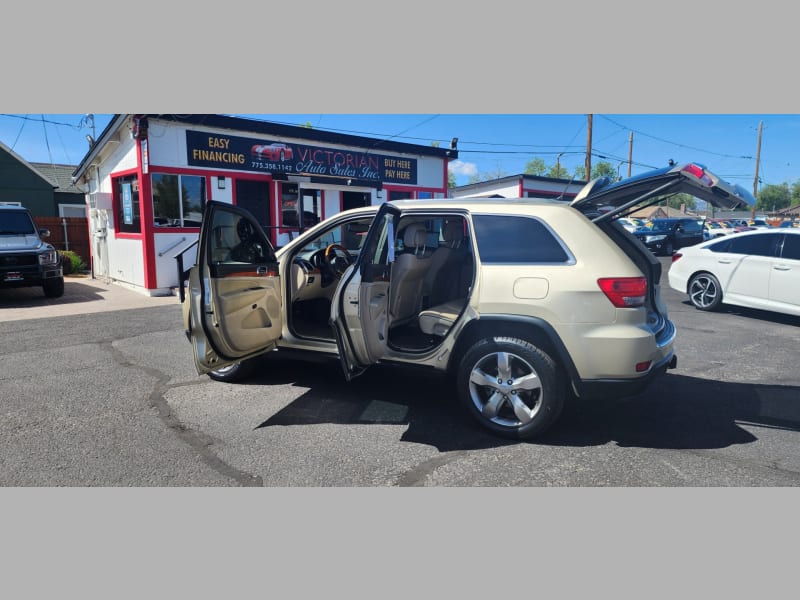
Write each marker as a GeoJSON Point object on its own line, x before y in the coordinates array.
{"type": "Point", "coordinates": [774, 197]}
{"type": "Point", "coordinates": [535, 166]}
{"type": "Point", "coordinates": [498, 173]}
{"type": "Point", "coordinates": [678, 200]}
{"type": "Point", "coordinates": [796, 193]}
{"type": "Point", "coordinates": [558, 171]}
{"type": "Point", "coordinates": [451, 179]}
{"type": "Point", "coordinates": [599, 169]}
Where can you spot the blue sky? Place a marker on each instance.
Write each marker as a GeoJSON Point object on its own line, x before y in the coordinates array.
{"type": "Point", "coordinates": [503, 143]}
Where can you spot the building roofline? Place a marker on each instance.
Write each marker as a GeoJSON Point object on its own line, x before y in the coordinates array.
{"type": "Point", "coordinates": [36, 171]}
{"type": "Point", "coordinates": [277, 130]}
{"type": "Point", "coordinates": [524, 177]}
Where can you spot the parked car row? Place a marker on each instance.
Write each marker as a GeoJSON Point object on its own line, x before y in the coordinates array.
{"type": "Point", "coordinates": [663, 236]}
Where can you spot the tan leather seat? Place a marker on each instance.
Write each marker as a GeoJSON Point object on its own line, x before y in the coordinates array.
{"type": "Point", "coordinates": [408, 273]}
{"type": "Point", "coordinates": [437, 320]}
{"type": "Point", "coordinates": [443, 279]}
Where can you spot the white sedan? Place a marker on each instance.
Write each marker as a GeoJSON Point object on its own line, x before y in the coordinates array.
{"type": "Point", "coordinates": [756, 269]}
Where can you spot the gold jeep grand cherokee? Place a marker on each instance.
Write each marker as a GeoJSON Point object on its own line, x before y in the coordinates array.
{"type": "Point", "coordinates": [519, 301]}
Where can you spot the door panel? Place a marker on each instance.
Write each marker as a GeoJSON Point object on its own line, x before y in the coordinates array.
{"type": "Point", "coordinates": [234, 289]}
{"type": "Point", "coordinates": [360, 307]}
{"type": "Point", "coordinates": [784, 285]}
{"type": "Point", "coordinates": [750, 280]}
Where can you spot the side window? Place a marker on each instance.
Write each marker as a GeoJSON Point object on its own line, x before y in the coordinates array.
{"type": "Point", "coordinates": [755, 245]}
{"type": "Point", "coordinates": [178, 200]}
{"type": "Point", "coordinates": [506, 239]}
{"type": "Point", "coordinates": [723, 246]}
{"type": "Point", "coordinates": [791, 247]}
{"type": "Point", "coordinates": [236, 239]}
{"type": "Point", "coordinates": [691, 226]}
{"type": "Point", "coordinates": [126, 197]}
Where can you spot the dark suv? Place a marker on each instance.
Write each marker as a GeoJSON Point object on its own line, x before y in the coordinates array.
{"type": "Point", "coordinates": [25, 259]}
{"type": "Point", "coordinates": [664, 236]}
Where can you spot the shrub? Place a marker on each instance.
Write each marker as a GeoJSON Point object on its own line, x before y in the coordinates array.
{"type": "Point", "coordinates": [72, 263]}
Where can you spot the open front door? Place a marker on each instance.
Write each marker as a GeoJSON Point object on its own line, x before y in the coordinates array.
{"type": "Point", "coordinates": [360, 305]}
{"type": "Point", "coordinates": [234, 289]}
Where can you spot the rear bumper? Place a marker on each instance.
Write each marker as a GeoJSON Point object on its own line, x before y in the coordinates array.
{"type": "Point", "coordinates": [616, 388]}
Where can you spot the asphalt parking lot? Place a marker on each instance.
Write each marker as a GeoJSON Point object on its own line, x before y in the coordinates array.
{"type": "Point", "coordinates": [100, 389]}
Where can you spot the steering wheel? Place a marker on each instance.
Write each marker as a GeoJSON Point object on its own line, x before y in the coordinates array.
{"type": "Point", "coordinates": [337, 259]}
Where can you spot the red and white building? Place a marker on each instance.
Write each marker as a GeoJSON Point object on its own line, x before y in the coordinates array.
{"type": "Point", "coordinates": [148, 178]}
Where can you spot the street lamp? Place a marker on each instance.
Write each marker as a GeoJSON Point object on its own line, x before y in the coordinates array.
{"type": "Point", "coordinates": [558, 164]}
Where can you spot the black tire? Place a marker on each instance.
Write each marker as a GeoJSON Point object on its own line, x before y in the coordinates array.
{"type": "Point", "coordinates": [705, 291]}
{"type": "Point", "coordinates": [499, 369]}
{"type": "Point", "coordinates": [53, 288]}
{"type": "Point", "coordinates": [236, 372]}
{"type": "Point", "coordinates": [669, 249]}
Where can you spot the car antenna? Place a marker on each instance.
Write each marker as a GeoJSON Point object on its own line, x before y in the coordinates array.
{"type": "Point", "coordinates": [566, 187]}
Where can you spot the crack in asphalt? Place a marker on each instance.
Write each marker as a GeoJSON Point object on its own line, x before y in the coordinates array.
{"type": "Point", "coordinates": [417, 476]}
{"type": "Point", "coordinates": [197, 440]}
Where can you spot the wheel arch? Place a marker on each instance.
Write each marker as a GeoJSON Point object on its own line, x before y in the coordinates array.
{"type": "Point", "coordinates": [531, 329]}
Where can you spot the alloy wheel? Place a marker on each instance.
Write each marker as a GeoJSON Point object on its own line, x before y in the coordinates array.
{"type": "Point", "coordinates": [506, 389]}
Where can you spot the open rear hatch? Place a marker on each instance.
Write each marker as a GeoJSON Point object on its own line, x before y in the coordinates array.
{"type": "Point", "coordinates": [603, 202]}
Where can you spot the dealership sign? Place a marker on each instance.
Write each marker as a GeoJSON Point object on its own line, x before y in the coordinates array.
{"type": "Point", "coordinates": [213, 150]}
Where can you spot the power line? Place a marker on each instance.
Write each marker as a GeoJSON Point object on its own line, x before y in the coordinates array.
{"type": "Point", "coordinates": [42, 120]}
{"type": "Point", "coordinates": [671, 142]}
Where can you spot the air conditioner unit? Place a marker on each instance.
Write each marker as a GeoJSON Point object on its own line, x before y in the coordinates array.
{"type": "Point", "coordinates": [102, 200]}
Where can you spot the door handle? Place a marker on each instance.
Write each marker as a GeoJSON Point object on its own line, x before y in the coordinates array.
{"type": "Point", "coordinates": [782, 268]}
{"type": "Point", "coordinates": [261, 270]}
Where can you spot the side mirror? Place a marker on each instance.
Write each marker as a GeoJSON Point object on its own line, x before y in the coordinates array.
{"type": "Point", "coordinates": [44, 232]}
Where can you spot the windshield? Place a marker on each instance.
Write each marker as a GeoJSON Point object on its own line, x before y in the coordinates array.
{"type": "Point", "coordinates": [16, 223]}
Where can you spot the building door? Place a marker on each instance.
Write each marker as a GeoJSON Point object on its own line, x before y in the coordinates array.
{"type": "Point", "coordinates": [355, 199]}
{"type": "Point", "coordinates": [253, 196]}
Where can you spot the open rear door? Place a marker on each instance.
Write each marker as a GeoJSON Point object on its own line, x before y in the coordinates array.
{"type": "Point", "coordinates": [360, 305]}
{"type": "Point", "coordinates": [602, 200]}
{"type": "Point", "coordinates": [234, 289]}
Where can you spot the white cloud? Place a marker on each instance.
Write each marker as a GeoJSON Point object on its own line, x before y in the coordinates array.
{"type": "Point", "coordinates": [459, 167]}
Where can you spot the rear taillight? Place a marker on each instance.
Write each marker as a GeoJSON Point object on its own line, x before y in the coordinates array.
{"type": "Point", "coordinates": [624, 292]}
{"type": "Point", "coordinates": [698, 172]}
{"type": "Point", "coordinates": [676, 256]}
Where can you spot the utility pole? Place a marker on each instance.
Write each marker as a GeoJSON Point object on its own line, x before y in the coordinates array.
{"type": "Point", "coordinates": [589, 150]}
{"type": "Point", "coordinates": [630, 153]}
{"type": "Point", "coordinates": [758, 159]}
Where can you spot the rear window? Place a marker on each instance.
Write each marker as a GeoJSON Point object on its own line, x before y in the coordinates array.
{"type": "Point", "coordinates": [506, 239]}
